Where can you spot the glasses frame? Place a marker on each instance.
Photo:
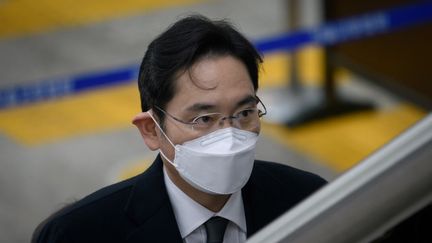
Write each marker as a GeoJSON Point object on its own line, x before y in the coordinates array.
{"type": "Point", "coordinates": [260, 114]}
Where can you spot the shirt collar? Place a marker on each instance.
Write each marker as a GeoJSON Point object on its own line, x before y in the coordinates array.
{"type": "Point", "coordinates": [191, 215]}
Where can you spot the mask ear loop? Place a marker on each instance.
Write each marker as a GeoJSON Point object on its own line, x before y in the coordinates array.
{"type": "Point", "coordinates": [172, 144]}
{"type": "Point", "coordinates": [160, 128]}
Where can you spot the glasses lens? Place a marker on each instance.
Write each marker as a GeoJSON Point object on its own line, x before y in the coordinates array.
{"type": "Point", "coordinates": [247, 119]}
{"type": "Point", "coordinates": [206, 122]}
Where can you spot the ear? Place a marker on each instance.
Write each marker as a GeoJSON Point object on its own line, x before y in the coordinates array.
{"type": "Point", "coordinates": [147, 128]}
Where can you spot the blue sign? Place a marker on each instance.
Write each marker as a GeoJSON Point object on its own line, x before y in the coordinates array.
{"type": "Point", "coordinates": [352, 28]}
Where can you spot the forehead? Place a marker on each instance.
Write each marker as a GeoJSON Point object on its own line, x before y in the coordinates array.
{"type": "Point", "coordinates": [218, 80]}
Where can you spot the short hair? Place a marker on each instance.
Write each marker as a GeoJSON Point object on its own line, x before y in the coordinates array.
{"type": "Point", "coordinates": [179, 47]}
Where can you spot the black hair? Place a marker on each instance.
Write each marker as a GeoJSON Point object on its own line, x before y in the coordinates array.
{"type": "Point", "coordinates": [179, 47]}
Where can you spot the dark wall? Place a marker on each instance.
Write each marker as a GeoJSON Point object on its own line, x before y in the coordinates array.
{"type": "Point", "coordinates": [400, 60]}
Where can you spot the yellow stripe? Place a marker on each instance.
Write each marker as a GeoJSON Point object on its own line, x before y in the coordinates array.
{"type": "Point", "coordinates": [310, 65]}
{"type": "Point", "coordinates": [275, 69]}
{"type": "Point", "coordinates": [90, 112]}
{"type": "Point", "coordinates": [19, 17]}
{"type": "Point", "coordinates": [343, 141]}
{"type": "Point", "coordinates": [310, 60]}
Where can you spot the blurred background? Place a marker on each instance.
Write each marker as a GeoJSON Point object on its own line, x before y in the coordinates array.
{"type": "Point", "coordinates": [340, 79]}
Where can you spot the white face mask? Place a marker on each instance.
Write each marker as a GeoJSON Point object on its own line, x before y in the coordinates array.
{"type": "Point", "coordinates": [220, 162]}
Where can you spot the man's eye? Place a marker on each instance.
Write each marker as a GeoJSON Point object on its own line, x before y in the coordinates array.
{"type": "Point", "coordinates": [246, 113]}
{"type": "Point", "coordinates": [204, 119]}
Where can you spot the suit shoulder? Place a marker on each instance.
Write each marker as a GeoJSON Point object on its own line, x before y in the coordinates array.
{"type": "Point", "coordinates": [74, 220]}
{"type": "Point", "coordinates": [105, 195]}
{"type": "Point", "coordinates": [285, 175]}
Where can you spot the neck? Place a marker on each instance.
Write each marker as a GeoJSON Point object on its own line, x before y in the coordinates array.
{"type": "Point", "coordinates": [212, 202]}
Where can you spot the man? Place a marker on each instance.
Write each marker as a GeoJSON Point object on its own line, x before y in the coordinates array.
{"type": "Point", "coordinates": [198, 83]}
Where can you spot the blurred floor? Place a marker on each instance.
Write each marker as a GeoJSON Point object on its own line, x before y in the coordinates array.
{"type": "Point", "coordinates": [55, 152]}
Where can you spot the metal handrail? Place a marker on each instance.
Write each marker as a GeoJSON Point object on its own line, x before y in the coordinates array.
{"type": "Point", "coordinates": [366, 201]}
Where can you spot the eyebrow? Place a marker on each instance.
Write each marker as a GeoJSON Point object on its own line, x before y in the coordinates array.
{"type": "Point", "coordinates": [250, 99]}
{"type": "Point", "coordinates": [200, 107]}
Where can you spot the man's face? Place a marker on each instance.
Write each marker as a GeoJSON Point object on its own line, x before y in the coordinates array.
{"type": "Point", "coordinates": [213, 84]}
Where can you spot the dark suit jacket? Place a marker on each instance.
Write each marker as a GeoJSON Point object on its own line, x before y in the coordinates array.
{"type": "Point", "coordinates": [139, 210]}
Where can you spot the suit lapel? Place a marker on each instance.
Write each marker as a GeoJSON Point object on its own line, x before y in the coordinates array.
{"type": "Point", "coordinates": [261, 204]}
{"type": "Point", "coordinates": [149, 207]}
{"type": "Point", "coordinates": [250, 200]}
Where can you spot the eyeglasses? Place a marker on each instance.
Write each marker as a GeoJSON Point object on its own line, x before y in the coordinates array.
{"type": "Point", "coordinates": [246, 119]}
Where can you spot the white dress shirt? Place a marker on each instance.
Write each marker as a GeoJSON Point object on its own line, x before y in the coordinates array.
{"type": "Point", "coordinates": [191, 215]}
